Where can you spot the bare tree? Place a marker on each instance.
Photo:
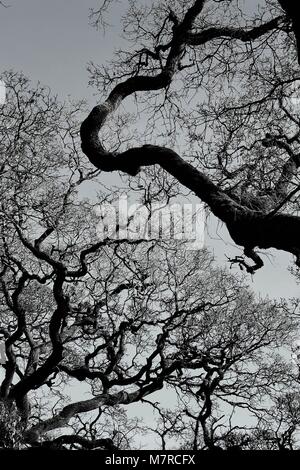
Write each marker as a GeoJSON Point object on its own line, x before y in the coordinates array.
{"type": "Point", "coordinates": [222, 75]}
{"type": "Point", "coordinates": [125, 318]}
{"type": "Point", "coordinates": [134, 320]}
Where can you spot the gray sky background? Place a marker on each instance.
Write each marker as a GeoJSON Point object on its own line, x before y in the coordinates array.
{"type": "Point", "coordinates": [52, 41]}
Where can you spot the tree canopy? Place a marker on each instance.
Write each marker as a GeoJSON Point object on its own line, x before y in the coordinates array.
{"type": "Point", "coordinates": [131, 321]}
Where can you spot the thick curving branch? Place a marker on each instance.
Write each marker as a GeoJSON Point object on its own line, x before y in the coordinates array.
{"type": "Point", "coordinates": [40, 375]}
{"type": "Point", "coordinates": [197, 39]}
{"type": "Point", "coordinates": [17, 309]}
{"type": "Point", "coordinates": [91, 145]}
{"type": "Point", "coordinates": [247, 227]}
{"type": "Point", "coordinates": [63, 418]}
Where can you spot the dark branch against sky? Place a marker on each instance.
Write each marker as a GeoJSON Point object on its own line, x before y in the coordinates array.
{"type": "Point", "coordinates": [52, 42]}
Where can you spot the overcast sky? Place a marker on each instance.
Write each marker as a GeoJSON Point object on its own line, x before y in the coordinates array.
{"type": "Point", "coordinates": [52, 41]}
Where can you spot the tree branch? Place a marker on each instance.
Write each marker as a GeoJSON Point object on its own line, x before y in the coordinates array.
{"type": "Point", "coordinates": [291, 9]}
{"type": "Point", "coordinates": [248, 228]}
{"type": "Point", "coordinates": [197, 39]}
{"type": "Point", "coordinates": [69, 411]}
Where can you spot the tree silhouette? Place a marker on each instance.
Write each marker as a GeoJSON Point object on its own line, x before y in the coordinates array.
{"type": "Point", "coordinates": [244, 135]}
{"type": "Point", "coordinates": [132, 321]}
